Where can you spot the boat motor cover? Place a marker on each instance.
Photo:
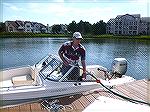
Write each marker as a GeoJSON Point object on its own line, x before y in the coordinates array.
{"type": "Point", "coordinates": [119, 66]}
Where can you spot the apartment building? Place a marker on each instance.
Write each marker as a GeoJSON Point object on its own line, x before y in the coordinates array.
{"type": "Point", "coordinates": [128, 25]}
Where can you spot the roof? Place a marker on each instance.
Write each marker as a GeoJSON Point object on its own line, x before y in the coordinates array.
{"type": "Point", "coordinates": [133, 15]}
{"type": "Point", "coordinates": [111, 20]}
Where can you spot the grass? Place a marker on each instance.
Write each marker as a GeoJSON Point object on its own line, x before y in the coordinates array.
{"type": "Point", "coordinates": [31, 35]}
{"type": "Point", "coordinates": [28, 35]}
{"type": "Point", "coordinates": [123, 37]}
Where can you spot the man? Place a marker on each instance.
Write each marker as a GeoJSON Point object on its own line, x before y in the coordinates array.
{"type": "Point", "coordinates": [70, 53]}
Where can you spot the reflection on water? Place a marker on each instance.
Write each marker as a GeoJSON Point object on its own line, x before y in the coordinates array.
{"type": "Point", "coordinates": [27, 51]}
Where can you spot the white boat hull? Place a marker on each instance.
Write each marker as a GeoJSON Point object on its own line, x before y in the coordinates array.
{"type": "Point", "coordinates": [38, 82]}
{"type": "Point", "coordinates": [51, 91]}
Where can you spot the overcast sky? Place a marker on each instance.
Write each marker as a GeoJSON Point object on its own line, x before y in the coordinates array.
{"type": "Point", "coordinates": [65, 11]}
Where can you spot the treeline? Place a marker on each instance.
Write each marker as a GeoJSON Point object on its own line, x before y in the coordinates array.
{"type": "Point", "coordinates": [84, 27]}
{"type": "Point", "coordinates": [87, 28]}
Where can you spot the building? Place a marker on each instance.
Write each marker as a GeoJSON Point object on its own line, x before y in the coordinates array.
{"type": "Point", "coordinates": [14, 26]}
{"type": "Point", "coordinates": [128, 25]}
{"type": "Point", "coordinates": [63, 29]}
{"type": "Point", "coordinates": [25, 26]}
{"type": "Point", "coordinates": [145, 25]}
{"type": "Point", "coordinates": [33, 27]}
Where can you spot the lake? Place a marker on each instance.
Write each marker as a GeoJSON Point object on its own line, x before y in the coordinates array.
{"type": "Point", "coordinates": [28, 51]}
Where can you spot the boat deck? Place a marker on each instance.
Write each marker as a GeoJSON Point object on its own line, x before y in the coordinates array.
{"type": "Point", "coordinates": [139, 90]}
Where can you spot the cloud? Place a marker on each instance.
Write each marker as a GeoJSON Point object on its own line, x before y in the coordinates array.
{"type": "Point", "coordinates": [65, 11]}
{"type": "Point", "coordinates": [139, 2]}
{"type": "Point", "coordinates": [58, 12]}
{"type": "Point", "coordinates": [12, 7]}
{"type": "Point", "coordinates": [60, 1]}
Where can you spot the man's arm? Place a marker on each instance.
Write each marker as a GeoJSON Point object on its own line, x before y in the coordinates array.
{"type": "Point", "coordinates": [60, 52]}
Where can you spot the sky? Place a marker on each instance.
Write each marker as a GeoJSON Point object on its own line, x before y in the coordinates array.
{"type": "Point", "coordinates": [65, 11]}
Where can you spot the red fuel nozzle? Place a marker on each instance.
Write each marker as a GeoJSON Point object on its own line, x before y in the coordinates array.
{"type": "Point", "coordinates": [98, 81]}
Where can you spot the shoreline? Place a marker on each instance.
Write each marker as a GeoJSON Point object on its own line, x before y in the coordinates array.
{"type": "Point", "coordinates": [90, 36]}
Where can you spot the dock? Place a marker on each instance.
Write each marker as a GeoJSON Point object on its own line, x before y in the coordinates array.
{"type": "Point", "coordinates": [139, 90]}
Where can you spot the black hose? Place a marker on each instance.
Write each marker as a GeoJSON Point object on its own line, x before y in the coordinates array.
{"type": "Point", "coordinates": [124, 97]}
{"type": "Point", "coordinates": [119, 95]}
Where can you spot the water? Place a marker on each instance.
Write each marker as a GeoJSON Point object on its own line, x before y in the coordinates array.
{"type": "Point", "coordinates": [27, 51]}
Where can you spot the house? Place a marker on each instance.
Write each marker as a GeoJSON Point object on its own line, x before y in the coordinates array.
{"type": "Point", "coordinates": [63, 29]}
{"type": "Point", "coordinates": [25, 26]}
{"type": "Point", "coordinates": [14, 26]}
{"type": "Point", "coordinates": [128, 25]}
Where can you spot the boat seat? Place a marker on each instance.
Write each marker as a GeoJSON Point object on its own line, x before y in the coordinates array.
{"type": "Point", "coordinates": [25, 79]}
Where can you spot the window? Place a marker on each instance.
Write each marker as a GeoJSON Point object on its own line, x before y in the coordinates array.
{"type": "Point", "coordinates": [134, 27]}
{"type": "Point", "coordinates": [119, 32]}
{"type": "Point", "coordinates": [11, 29]}
{"type": "Point", "coordinates": [116, 32]}
{"type": "Point", "coordinates": [134, 32]}
{"type": "Point", "coordinates": [135, 23]}
{"type": "Point", "coordinates": [130, 27]}
{"type": "Point", "coordinates": [120, 23]}
{"type": "Point", "coordinates": [130, 32]}
{"type": "Point", "coordinates": [116, 23]}
{"type": "Point", "coordinates": [130, 23]}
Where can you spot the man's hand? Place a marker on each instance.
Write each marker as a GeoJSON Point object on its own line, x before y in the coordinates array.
{"type": "Point", "coordinates": [81, 78]}
{"type": "Point", "coordinates": [67, 62]}
{"type": "Point", "coordinates": [84, 75]}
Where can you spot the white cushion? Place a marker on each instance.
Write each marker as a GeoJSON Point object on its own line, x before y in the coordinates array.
{"type": "Point", "coordinates": [22, 80]}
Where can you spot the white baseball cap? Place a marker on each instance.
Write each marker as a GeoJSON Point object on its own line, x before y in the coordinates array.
{"type": "Point", "coordinates": [77, 35]}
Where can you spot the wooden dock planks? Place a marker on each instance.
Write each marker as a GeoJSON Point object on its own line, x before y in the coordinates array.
{"type": "Point", "coordinates": [139, 90]}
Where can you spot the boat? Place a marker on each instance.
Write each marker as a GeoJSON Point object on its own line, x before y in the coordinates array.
{"type": "Point", "coordinates": [44, 80]}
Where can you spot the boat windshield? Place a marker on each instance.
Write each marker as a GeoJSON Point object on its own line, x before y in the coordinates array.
{"type": "Point", "coordinates": [52, 69]}
{"type": "Point", "coordinates": [49, 65]}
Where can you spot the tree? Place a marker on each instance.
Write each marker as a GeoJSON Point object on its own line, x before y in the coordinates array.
{"type": "Point", "coordinates": [87, 27]}
{"type": "Point", "coordinates": [72, 27]}
{"type": "Point", "coordinates": [56, 29]}
{"type": "Point", "coordinates": [84, 27]}
{"type": "Point", "coordinates": [2, 27]}
{"type": "Point", "coordinates": [99, 28]}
